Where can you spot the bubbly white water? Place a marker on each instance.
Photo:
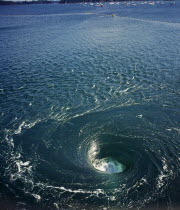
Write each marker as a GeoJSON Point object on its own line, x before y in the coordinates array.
{"type": "Point", "coordinates": [109, 165]}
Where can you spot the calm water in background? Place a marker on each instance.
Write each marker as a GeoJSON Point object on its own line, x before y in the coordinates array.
{"type": "Point", "coordinates": [78, 86]}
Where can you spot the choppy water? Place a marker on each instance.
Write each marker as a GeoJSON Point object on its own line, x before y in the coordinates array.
{"type": "Point", "coordinates": [89, 107]}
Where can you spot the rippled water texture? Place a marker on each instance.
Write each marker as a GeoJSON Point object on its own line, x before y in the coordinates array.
{"type": "Point", "coordinates": [89, 107]}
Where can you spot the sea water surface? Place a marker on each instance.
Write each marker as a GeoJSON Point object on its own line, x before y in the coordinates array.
{"type": "Point", "coordinates": [89, 106]}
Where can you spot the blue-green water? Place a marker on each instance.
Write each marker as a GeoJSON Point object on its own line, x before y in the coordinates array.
{"type": "Point", "coordinates": [89, 106]}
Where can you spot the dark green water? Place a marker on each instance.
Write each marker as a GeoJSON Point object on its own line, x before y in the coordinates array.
{"type": "Point", "coordinates": [89, 107]}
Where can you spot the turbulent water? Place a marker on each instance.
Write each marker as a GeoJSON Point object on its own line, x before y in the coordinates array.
{"type": "Point", "coordinates": [89, 106]}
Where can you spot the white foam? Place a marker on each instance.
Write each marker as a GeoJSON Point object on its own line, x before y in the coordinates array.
{"type": "Point", "coordinates": [106, 165]}
{"type": "Point", "coordinates": [97, 191]}
{"type": "Point", "coordinates": [23, 166]}
{"type": "Point", "coordinates": [56, 205]}
{"type": "Point", "coordinates": [25, 163]}
{"type": "Point", "coordinates": [11, 141]}
{"type": "Point", "coordinates": [18, 166]}
{"type": "Point", "coordinates": [25, 125]}
{"type": "Point", "coordinates": [139, 116]}
{"type": "Point", "coordinates": [38, 197]}
{"type": "Point", "coordinates": [93, 151]}
{"type": "Point", "coordinates": [165, 173]}
{"type": "Point", "coordinates": [18, 131]}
